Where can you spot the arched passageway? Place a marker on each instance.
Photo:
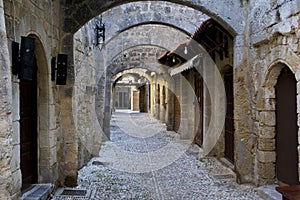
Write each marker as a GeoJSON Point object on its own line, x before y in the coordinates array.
{"type": "Point", "coordinates": [139, 46]}
{"type": "Point", "coordinates": [254, 38]}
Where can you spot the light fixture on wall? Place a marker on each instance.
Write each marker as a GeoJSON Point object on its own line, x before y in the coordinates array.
{"type": "Point", "coordinates": [23, 59]}
{"type": "Point", "coordinates": [99, 31]}
{"type": "Point", "coordinates": [61, 69]}
{"type": "Point", "coordinates": [185, 50]}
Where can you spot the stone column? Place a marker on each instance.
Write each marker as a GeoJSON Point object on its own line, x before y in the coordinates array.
{"type": "Point", "coordinates": [170, 108]}
{"type": "Point", "coordinates": [153, 99]}
{"type": "Point", "coordinates": [6, 187]}
{"type": "Point", "coordinates": [162, 110]}
{"type": "Point", "coordinates": [245, 139]}
{"type": "Point", "coordinates": [68, 152]}
{"type": "Point", "coordinates": [113, 106]}
{"type": "Point", "coordinates": [147, 97]}
{"type": "Point", "coordinates": [107, 106]}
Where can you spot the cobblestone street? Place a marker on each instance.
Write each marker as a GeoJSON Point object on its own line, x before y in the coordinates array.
{"type": "Point", "coordinates": [144, 161]}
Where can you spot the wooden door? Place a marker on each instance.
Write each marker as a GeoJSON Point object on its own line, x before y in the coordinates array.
{"type": "Point", "coordinates": [136, 104]}
{"type": "Point", "coordinates": [28, 130]}
{"type": "Point", "coordinates": [286, 129]}
{"type": "Point", "coordinates": [177, 111]}
{"type": "Point", "coordinates": [198, 83]}
{"type": "Point", "coordinates": [143, 99]}
{"type": "Point", "coordinates": [229, 119]}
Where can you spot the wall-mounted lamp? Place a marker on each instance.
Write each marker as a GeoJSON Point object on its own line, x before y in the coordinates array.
{"type": "Point", "coordinates": [61, 69]}
{"type": "Point", "coordinates": [23, 59]}
{"type": "Point", "coordinates": [99, 31]}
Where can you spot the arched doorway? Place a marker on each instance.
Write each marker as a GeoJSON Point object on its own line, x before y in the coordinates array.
{"type": "Point", "coordinates": [229, 119]}
{"type": "Point", "coordinates": [37, 128]}
{"type": "Point", "coordinates": [198, 84]}
{"type": "Point", "coordinates": [286, 128]}
{"type": "Point", "coordinates": [158, 101]}
{"type": "Point", "coordinates": [28, 115]}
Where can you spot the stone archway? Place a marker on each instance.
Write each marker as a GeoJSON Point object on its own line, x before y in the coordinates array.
{"type": "Point", "coordinates": [286, 128]}
{"type": "Point", "coordinates": [266, 150]}
{"type": "Point", "coordinates": [78, 14]}
{"type": "Point", "coordinates": [46, 125]}
{"type": "Point", "coordinates": [37, 138]}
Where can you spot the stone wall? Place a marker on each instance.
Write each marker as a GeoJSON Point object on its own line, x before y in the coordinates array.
{"type": "Point", "coordinates": [38, 20]}
{"type": "Point", "coordinates": [87, 69]}
{"type": "Point", "coordinates": [72, 118]}
{"type": "Point", "coordinates": [8, 164]}
{"type": "Point", "coordinates": [274, 38]}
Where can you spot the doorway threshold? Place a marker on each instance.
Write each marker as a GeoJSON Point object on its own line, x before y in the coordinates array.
{"type": "Point", "coordinates": [269, 192]}
{"type": "Point", "coordinates": [37, 192]}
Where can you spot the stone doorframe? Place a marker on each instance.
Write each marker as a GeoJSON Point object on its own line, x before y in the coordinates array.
{"type": "Point", "coordinates": [47, 139]}
{"type": "Point", "coordinates": [266, 112]}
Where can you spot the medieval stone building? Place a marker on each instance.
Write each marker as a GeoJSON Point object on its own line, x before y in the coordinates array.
{"type": "Point", "coordinates": [223, 74]}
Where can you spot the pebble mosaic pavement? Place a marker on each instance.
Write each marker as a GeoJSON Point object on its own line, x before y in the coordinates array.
{"type": "Point", "coordinates": [188, 177]}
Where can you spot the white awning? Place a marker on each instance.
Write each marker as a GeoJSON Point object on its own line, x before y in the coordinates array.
{"type": "Point", "coordinates": [194, 62]}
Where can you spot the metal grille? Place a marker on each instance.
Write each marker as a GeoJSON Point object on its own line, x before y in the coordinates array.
{"type": "Point", "coordinates": [40, 191]}
{"type": "Point", "coordinates": [97, 163]}
{"type": "Point", "coordinates": [74, 192]}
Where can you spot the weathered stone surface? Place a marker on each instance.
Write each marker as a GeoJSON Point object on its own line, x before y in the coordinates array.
{"type": "Point", "coordinates": [227, 12]}
{"type": "Point", "coordinates": [267, 118]}
{"type": "Point", "coordinates": [15, 160]}
{"type": "Point", "coordinates": [267, 132]}
{"type": "Point", "coordinates": [265, 144]}
{"type": "Point", "coordinates": [266, 156]}
{"type": "Point", "coordinates": [266, 170]}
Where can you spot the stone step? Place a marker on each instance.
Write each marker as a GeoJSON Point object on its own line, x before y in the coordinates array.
{"type": "Point", "coordinates": [268, 192]}
{"type": "Point", "coordinates": [37, 192]}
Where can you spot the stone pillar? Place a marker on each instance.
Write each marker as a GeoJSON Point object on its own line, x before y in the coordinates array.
{"type": "Point", "coordinates": [157, 101]}
{"type": "Point", "coordinates": [113, 106]}
{"type": "Point", "coordinates": [170, 108]}
{"type": "Point", "coordinates": [153, 99]}
{"type": "Point", "coordinates": [107, 106]}
{"type": "Point", "coordinates": [7, 189]}
{"type": "Point", "coordinates": [68, 152]}
{"type": "Point", "coordinates": [245, 140]}
{"type": "Point", "coordinates": [162, 109]}
{"type": "Point", "coordinates": [147, 97]}
{"type": "Point", "coordinates": [184, 103]}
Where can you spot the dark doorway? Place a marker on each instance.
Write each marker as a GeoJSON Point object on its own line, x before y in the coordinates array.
{"type": "Point", "coordinates": [229, 119]}
{"type": "Point", "coordinates": [143, 98]}
{"type": "Point", "coordinates": [198, 83]}
{"type": "Point", "coordinates": [28, 130]}
{"type": "Point", "coordinates": [177, 109]}
{"type": "Point", "coordinates": [286, 128]}
{"type": "Point", "coordinates": [164, 98]}
{"type": "Point", "coordinates": [158, 101]}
